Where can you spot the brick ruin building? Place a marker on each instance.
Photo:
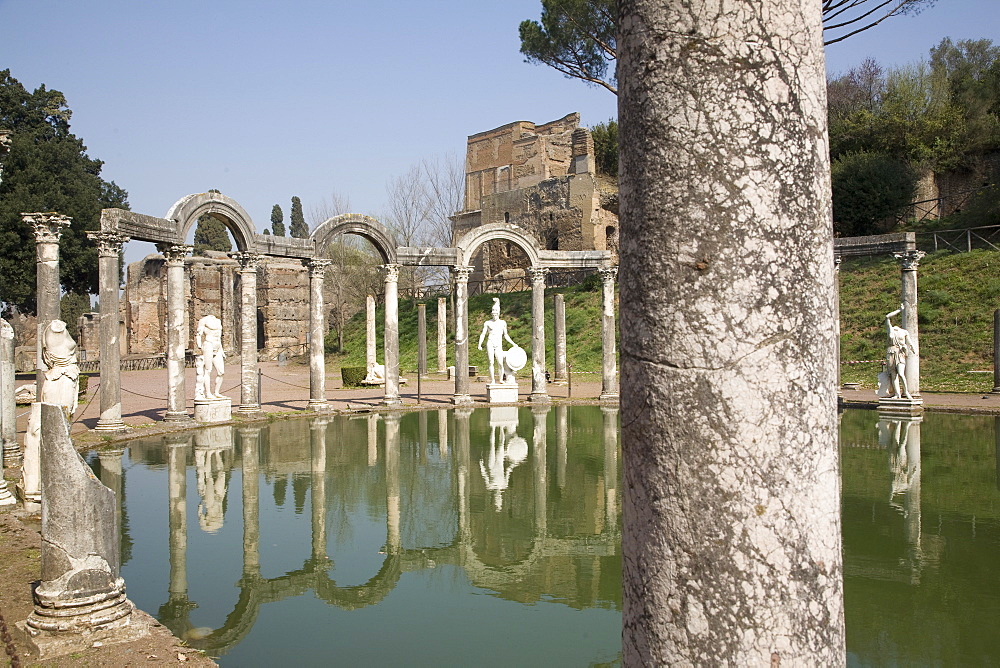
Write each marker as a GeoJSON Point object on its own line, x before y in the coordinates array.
{"type": "Point", "coordinates": [543, 179]}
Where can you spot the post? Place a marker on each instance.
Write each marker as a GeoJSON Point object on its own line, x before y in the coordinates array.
{"type": "Point", "coordinates": [539, 393]}
{"type": "Point", "coordinates": [390, 336]}
{"type": "Point", "coordinates": [421, 340]}
{"type": "Point", "coordinates": [908, 262]}
{"type": "Point", "coordinates": [442, 326]}
{"type": "Point", "coordinates": [249, 386]}
{"type": "Point", "coordinates": [462, 396]}
{"type": "Point", "coordinates": [559, 327]}
{"type": "Point", "coordinates": [48, 230]}
{"type": "Point", "coordinates": [609, 350]}
{"type": "Point", "coordinates": [370, 355]}
{"type": "Point", "coordinates": [176, 333]}
{"type": "Point", "coordinates": [109, 245]}
{"type": "Point", "coordinates": [317, 328]}
{"type": "Point", "coordinates": [731, 539]}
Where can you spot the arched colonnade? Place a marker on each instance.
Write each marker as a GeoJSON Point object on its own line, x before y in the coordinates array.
{"type": "Point", "coordinates": [169, 233]}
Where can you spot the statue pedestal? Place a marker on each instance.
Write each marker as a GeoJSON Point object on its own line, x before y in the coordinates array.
{"type": "Point", "coordinates": [213, 410]}
{"type": "Point", "coordinates": [901, 406]}
{"type": "Point", "coordinates": [501, 393]}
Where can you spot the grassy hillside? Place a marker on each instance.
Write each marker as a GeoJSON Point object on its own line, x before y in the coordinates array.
{"type": "Point", "coordinates": [583, 329]}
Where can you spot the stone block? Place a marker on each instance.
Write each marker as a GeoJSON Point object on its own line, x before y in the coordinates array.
{"type": "Point", "coordinates": [213, 410]}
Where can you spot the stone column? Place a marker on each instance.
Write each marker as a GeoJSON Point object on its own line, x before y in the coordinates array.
{"type": "Point", "coordinates": [370, 354]}
{"type": "Point", "coordinates": [462, 395]}
{"type": "Point", "coordinates": [176, 334]}
{"type": "Point", "coordinates": [317, 470]}
{"type": "Point", "coordinates": [250, 456]}
{"type": "Point", "coordinates": [317, 329]}
{"type": "Point", "coordinates": [421, 340]}
{"type": "Point", "coordinates": [609, 359]}
{"type": "Point", "coordinates": [109, 246]}
{"type": "Point", "coordinates": [560, 346]}
{"type": "Point", "coordinates": [538, 390]}
{"type": "Point", "coordinates": [8, 410]}
{"type": "Point", "coordinates": [909, 261]}
{"type": "Point", "coordinates": [390, 335]}
{"type": "Point", "coordinates": [442, 324]}
{"type": "Point", "coordinates": [249, 405]}
{"type": "Point", "coordinates": [48, 230]}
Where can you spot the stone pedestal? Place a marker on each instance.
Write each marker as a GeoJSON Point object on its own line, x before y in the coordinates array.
{"type": "Point", "coordinates": [213, 410]}
{"type": "Point", "coordinates": [901, 406]}
{"type": "Point", "coordinates": [501, 393]}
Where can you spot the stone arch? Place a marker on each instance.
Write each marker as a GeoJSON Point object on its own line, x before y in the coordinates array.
{"type": "Point", "coordinates": [361, 225]}
{"type": "Point", "coordinates": [186, 211]}
{"type": "Point", "coordinates": [470, 243]}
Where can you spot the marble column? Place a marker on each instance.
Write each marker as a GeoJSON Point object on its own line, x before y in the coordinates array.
{"type": "Point", "coordinates": [317, 498]}
{"type": "Point", "coordinates": [462, 395]}
{"type": "Point", "coordinates": [109, 246]}
{"type": "Point", "coordinates": [48, 230]}
{"type": "Point", "coordinates": [609, 359]}
{"type": "Point", "coordinates": [909, 261]}
{"type": "Point", "coordinates": [610, 414]}
{"type": "Point", "coordinates": [8, 410]}
{"type": "Point", "coordinates": [176, 334]}
{"type": "Point", "coordinates": [370, 345]}
{"type": "Point", "coordinates": [250, 457]}
{"type": "Point", "coordinates": [560, 345]}
{"type": "Point", "coordinates": [390, 337]}
{"type": "Point", "coordinates": [249, 390]}
{"type": "Point", "coordinates": [421, 340]}
{"type": "Point", "coordinates": [392, 541]}
{"type": "Point", "coordinates": [538, 389]}
{"type": "Point", "coordinates": [442, 326]}
{"type": "Point", "coordinates": [317, 330]}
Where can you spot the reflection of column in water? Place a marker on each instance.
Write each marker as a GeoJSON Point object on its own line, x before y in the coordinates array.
{"type": "Point", "coordinates": [317, 500]}
{"type": "Point", "coordinates": [540, 414]}
{"type": "Point", "coordinates": [462, 458]}
{"type": "Point", "coordinates": [443, 433]}
{"type": "Point", "coordinates": [996, 441]}
{"type": "Point", "coordinates": [210, 446]}
{"type": "Point", "coordinates": [562, 434]}
{"type": "Point", "coordinates": [392, 482]}
{"type": "Point", "coordinates": [111, 477]}
{"type": "Point", "coordinates": [177, 449]}
{"type": "Point", "coordinates": [422, 431]}
{"type": "Point", "coordinates": [372, 439]}
{"type": "Point", "coordinates": [250, 455]}
{"type": "Point", "coordinates": [610, 414]}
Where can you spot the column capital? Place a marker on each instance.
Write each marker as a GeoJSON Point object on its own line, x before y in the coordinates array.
{"type": "Point", "coordinates": [317, 267]}
{"type": "Point", "coordinates": [46, 225]}
{"type": "Point", "coordinates": [248, 261]}
{"type": "Point", "coordinates": [538, 274]}
{"type": "Point", "coordinates": [175, 253]}
{"type": "Point", "coordinates": [391, 272]}
{"type": "Point", "coordinates": [608, 274]}
{"type": "Point", "coordinates": [462, 272]}
{"type": "Point", "coordinates": [837, 259]}
{"type": "Point", "coordinates": [909, 260]}
{"type": "Point", "coordinates": [109, 244]}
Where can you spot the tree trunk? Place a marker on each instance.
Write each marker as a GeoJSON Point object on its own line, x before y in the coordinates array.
{"type": "Point", "coordinates": [731, 537]}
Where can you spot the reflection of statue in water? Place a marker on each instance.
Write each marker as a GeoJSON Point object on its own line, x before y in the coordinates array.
{"type": "Point", "coordinates": [502, 458]}
{"type": "Point", "coordinates": [209, 339]}
{"type": "Point", "coordinates": [495, 331]}
{"type": "Point", "coordinates": [62, 372]}
{"type": "Point", "coordinates": [211, 487]}
{"type": "Point", "coordinates": [900, 345]}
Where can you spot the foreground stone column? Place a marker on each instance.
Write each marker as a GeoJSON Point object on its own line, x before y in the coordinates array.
{"type": "Point", "coordinates": [80, 590]}
{"type": "Point", "coordinates": [371, 358]}
{"type": "Point", "coordinates": [559, 329]}
{"type": "Point", "coordinates": [249, 390]}
{"type": "Point", "coordinates": [8, 409]}
{"type": "Point", "coordinates": [109, 246]}
{"type": "Point", "coordinates": [176, 334]}
{"type": "Point", "coordinates": [317, 330]}
{"type": "Point", "coordinates": [442, 326]}
{"type": "Point", "coordinates": [908, 262]}
{"type": "Point", "coordinates": [48, 230]}
{"type": "Point", "coordinates": [390, 335]}
{"type": "Point", "coordinates": [462, 396]}
{"type": "Point", "coordinates": [539, 392]}
{"type": "Point", "coordinates": [731, 495]}
{"type": "Point", "coordinates": [609, 350]}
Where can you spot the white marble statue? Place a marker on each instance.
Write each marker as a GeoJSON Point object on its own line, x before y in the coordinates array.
{"type": "Point", "coordinates": [208, 338]}
{"type": "Point", "coordinates": [509, 361]}
{"type": "Point", "coordinates": [893, 379]}
{"type": "Point", "coordinates": [62, 372]}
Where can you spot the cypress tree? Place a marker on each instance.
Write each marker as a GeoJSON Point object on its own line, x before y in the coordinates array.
{"type": "Point", "coordinates": [299, 228]}
{"type": "Point", "coordinates": [277, 221]}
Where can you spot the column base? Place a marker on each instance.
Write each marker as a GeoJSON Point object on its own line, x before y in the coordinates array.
{"type": "Point", "coordinates": [540, 398]}
{"type": "Point", "coordinates": [12, 454]}
{"type": "Point", "coordinates": [6, 498]}
{"type": "Point", "coordinates": [392, 401]}
{"type": "Point", "coordinates": [901, 406]}
{"type": "Point", "coordinates": [248, 409]}
{"type": "Point", "coordinates": [608, 396]}
{"type": "Point", "coordinates": [995, 390]}
{"type": "Point", "coordinates": [111, 425]}
{"type": "Point", "coordinates": [462, 400]}
{"type": "Point", "coordinates": [319, 406]}
{"type": "Point", "coordinates": [177, 416]}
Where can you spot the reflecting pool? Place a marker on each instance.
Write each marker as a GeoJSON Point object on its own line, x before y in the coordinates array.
{"type": "Point", "coordinates": [491, 537]}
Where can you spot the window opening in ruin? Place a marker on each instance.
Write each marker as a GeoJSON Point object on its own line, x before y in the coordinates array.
{"type": "Point", "coordinates": [506, 216]}
{"type": "Point", "coordinates": [552, 239]}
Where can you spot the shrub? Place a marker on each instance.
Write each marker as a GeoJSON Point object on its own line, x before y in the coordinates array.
{"type": "Point", "coordinates": [351, 376]}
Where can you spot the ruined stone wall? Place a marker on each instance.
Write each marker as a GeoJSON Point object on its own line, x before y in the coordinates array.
{"type": "Point", "coordinates": [282, 308]}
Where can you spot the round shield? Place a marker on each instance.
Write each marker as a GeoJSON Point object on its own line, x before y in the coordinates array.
{"type": "Point", "coordinates": [516, 358]}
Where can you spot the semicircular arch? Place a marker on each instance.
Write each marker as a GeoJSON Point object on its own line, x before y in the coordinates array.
{"type": "Point", "coordinates": [361, 225]}
{"type": "Point", "coordinates": [187, 210]}
{"type": "Point", "coordinates": [473, 239]}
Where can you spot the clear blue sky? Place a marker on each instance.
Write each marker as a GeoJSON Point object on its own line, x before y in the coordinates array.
{"type": "Point", "coordinates": [265, 100]}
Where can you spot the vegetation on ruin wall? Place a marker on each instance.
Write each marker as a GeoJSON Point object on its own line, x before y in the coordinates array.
{"type": "Point", "coordinates": [958, 293]}
{"type": "Point", "coordinates": [583, 331]}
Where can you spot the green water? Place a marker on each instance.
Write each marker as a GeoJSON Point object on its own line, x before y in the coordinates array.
{"type": "Point", "coordinates": [444, 538]}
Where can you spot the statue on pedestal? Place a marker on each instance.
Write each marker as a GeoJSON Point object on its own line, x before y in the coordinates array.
{"type": "Point", "coordinates": [209, 339]}
{"type": "Point", "coordinates": [900, 345]}
{"type": "Point", "coordinates": [509, 361]}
